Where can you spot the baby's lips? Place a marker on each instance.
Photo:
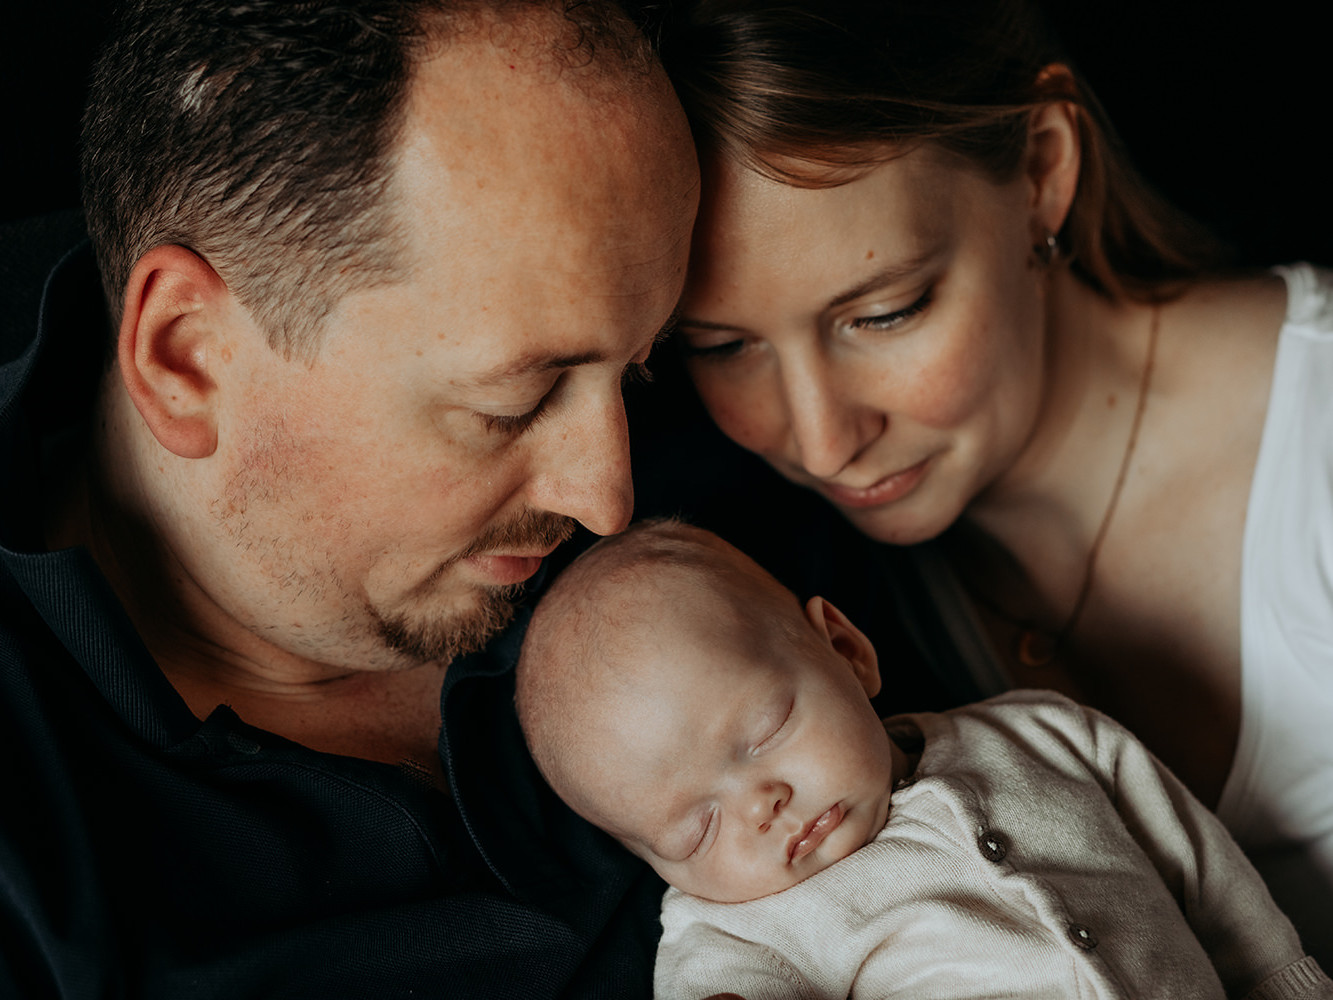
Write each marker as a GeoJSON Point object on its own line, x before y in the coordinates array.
{"type": "Point", "coordinates": [813, 835]}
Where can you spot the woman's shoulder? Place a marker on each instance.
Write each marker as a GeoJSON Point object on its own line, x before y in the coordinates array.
{"type": "Point", "coordinates": [1255, 307]}
{"type": "Point", "coordinates": [1250, 306]}
{"type": "Point", "coordinates": [1217, 346]}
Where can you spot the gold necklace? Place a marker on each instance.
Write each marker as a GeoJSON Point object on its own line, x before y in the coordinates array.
{"type": "Point", "coordinates": [1034, 645]}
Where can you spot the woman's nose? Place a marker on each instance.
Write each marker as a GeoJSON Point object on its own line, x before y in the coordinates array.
{"type": "Point", "coordinates": [830, 425]}
{"type": "Point", "coordinates": [767, 800]}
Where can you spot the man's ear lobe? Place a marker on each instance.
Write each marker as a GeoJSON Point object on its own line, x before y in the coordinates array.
{"type": "Point", "coordinates": [169, 344]}
{"type": "Point", "coordinates": [847, 640]}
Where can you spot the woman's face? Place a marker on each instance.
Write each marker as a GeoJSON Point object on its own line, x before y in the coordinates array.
{"type": "Point", "coordinates": [879, 341]}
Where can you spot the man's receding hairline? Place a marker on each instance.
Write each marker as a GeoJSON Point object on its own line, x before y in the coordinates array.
{"type": "Point", "coordinates": [609, 54]}
{"type": "Point", "coordinates": [477, 22]}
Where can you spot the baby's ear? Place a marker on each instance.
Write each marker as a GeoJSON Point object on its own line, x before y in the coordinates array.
{"type": "Point", "coordinates": [847, 640]}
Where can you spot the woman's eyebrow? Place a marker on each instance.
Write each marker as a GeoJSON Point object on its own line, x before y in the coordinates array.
{"type": "Point", "coordinates": [883, 278]}
{"type": "Point", "coordinates": [703, 324]}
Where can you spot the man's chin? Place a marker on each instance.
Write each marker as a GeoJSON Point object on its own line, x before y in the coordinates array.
{"type": "Point", "coordinates": [445, 636]}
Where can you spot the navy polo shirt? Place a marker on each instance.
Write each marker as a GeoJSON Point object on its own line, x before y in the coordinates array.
{"type": "Point", "coordinates": [145, 853]}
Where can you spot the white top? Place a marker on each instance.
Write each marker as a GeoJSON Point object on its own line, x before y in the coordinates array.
{"type": "Point", "coordinates": [1278, 799]}
{"type": "Point", "coordinates": [1038, 851]}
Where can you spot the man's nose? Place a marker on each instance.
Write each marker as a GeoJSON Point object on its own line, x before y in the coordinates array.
{"type": "Point", "coordinates": [766, 802]}
{"type": "Point", "coordinates": [583, 466]}
{"type": "Point", "coordinates": [830, 425]}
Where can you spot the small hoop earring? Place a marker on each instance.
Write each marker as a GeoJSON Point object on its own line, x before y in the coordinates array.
{"type": "Point", "coordinates": [1045, 252]}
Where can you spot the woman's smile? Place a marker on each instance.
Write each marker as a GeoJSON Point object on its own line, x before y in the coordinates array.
{"type": "Point", "coordinates": [894, 486]}
{"type": "Point", "coordinates": [900, 425]}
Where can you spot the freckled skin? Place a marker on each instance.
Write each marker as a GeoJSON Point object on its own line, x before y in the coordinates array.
{"type": "Point", "coordinates": [958, 385]}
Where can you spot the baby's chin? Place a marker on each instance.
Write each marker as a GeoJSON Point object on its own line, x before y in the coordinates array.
{"type": "Point", "coordinates": [747, 891]}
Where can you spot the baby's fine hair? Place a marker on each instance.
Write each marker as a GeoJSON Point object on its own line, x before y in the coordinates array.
{"type": "Point", "coordinates": [624, 591]}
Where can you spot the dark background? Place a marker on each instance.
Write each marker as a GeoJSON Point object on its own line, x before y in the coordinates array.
{"type": "Point", "coordinates": [1224, 105]}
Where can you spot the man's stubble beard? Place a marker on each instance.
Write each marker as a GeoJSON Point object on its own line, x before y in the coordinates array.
{"type": "Point", "coordinates": [434, 634]}
{"type": "Point", "coordinates": [442, 637]}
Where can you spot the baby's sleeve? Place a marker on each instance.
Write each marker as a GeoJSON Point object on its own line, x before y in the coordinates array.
{"type": "Point", "coordinates": [698, 959]}
{"type": "Point", "coordinates": [1252, 945]}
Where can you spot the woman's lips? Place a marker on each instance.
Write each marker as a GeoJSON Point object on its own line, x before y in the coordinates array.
{"type": "Point", "coordinates": [892, 487]}
{"type": "Point", "coordinates": [813, 835]}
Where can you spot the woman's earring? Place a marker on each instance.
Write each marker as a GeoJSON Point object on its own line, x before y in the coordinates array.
{"type": "Point", "coordinates": [1044, 253]}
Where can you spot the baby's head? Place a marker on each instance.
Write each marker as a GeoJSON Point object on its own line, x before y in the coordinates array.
{"type": "Point", "coordinates": [678, 697]}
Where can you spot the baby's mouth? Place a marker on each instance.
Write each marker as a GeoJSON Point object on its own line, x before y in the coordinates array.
{"type": "Point", "coordinates": [814, 833]}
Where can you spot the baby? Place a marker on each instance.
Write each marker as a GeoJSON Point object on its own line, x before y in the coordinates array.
{"type": "Point", "coordinates": [677, 696]}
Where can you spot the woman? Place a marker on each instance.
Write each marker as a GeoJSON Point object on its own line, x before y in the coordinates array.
{"type": "Point", "coordinates": [927, 284]}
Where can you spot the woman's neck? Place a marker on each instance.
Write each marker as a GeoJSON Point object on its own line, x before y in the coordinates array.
{"type": "Point", "coordinates": [1046, 510]}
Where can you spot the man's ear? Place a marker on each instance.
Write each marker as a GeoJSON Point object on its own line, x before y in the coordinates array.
{"type": "Point", "coordinates": [1054, 152]}
{"type": "Point", "coordinates": [847, 640]}
{"type": "Point", "coordinates": [169, 342]}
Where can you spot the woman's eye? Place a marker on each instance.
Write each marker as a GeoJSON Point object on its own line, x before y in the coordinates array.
{"type": "Point", "coordinates": [890, 320]}
{"type": "Point", "coordinates": [713, 351]}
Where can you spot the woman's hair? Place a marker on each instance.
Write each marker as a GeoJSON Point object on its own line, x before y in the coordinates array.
{"type": "Point", "coordinates": [792, 89]}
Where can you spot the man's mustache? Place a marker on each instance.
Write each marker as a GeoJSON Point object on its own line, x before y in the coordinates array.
{"type": "Point", "coordinates": [533, 529]}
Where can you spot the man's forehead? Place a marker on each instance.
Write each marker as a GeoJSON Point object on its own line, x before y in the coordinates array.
{"type": "Point", "coordinates": [518, 68]}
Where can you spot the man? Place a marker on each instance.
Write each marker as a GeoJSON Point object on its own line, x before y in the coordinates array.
{"type": "Point", "coordinates": [374, 273]}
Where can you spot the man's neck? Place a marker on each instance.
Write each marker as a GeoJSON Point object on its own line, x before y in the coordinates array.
{"type": "Point", "coordinates": [386, 715]}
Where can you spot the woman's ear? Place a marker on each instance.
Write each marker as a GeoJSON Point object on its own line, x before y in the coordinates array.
{"type": "Point", "coordinates": [847, 640]}
{"type": "Point", "coordinates": [1054, 151]}
{"type": "Point", "coordinates": [170, 335]}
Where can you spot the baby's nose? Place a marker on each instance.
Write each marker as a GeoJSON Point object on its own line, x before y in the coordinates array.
{"type": "Point", "coordinates": [767, 803]}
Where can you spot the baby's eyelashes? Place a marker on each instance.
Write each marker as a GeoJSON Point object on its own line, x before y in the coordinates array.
{"type": "Point", "coordinates": [685, 840]}
{"type": "Point", "coordinates": [772, 734]}
{"type": "Point", "coordinates": [712, 821]}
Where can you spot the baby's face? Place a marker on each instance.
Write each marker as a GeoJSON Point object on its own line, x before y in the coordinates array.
{"type": "Point", "coordinates": [739, 769]}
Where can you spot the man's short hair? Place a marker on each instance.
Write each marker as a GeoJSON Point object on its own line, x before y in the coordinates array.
{"type": "Point", "coordinates": [260, 134]}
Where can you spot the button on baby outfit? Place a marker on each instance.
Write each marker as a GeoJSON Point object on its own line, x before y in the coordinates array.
{"type": "Point", "coordinates": [994, 846]}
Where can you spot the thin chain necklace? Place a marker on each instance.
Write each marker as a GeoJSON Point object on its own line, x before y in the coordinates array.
{"type": "Point", "coordinates": [1036, 646]}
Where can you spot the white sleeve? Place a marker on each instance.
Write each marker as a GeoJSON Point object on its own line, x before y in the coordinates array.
{"type": "Point", "coordinates": [697, 960]}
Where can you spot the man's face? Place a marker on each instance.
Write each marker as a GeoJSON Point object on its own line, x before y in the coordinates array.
{"type": "Point", "coordinates": [376, 507]}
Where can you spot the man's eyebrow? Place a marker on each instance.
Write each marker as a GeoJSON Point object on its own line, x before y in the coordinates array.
{"type": "Point", "coordinates": [534, 364]}
{"type": "Point", "coordinates": [537, 363]}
